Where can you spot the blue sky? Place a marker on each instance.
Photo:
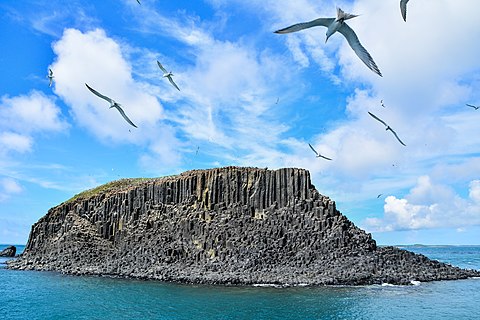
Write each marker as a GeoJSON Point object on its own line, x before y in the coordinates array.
{"type": "Point", "coordinates": [248, 97]}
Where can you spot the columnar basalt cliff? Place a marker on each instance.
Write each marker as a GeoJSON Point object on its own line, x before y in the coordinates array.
{"type": "Point", "coordinates": [228, 225]}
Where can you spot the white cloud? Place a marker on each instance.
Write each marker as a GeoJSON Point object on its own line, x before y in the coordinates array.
{"type": "Point", "coordinates": [229, 89]}
{"type": "Point", "coordinates": [25, 116]}
{"type": "Point", "coordinates": [8, 187]}
{"type": "Point", "coordinates": [475, 191]}
{"type": "Point", "coordinates": [429, 205]}
{"type": "Point", "coordinates": [30, 113]}
{"type": "Point", "coordinates": [98, 60]}
{"type": "Point", "coordinates": [15, 142]}
{"type": "Point", "coordinates": [45, 17]}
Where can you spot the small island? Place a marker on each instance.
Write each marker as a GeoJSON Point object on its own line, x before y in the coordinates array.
{"type": "Point", "coordinates": [231, 225]}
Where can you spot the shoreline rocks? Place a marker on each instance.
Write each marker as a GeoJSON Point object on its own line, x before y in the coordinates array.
{"type": "Point", "coordinates": [220, 226]}
{"type": "Point", "coordinates": [8, 252]}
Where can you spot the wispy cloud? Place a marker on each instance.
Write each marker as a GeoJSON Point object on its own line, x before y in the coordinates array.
{"type": "Point", "coordinates": [9, 187]}
{"type": "Point", "coordinates": [46, 17]}
{"type": "Point", "coordinates": [11, 141]}
{"type": "Point", "coordinates": [227, 99]}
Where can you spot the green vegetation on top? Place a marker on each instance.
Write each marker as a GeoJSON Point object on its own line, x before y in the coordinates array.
{"type": "Point", "coordinates": [116, 185]}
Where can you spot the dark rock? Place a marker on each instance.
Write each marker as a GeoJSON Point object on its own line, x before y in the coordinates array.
{"type": "Point", "coordinates": [8, 252]}
{"type": "Point", "coordinates": [220, 226]}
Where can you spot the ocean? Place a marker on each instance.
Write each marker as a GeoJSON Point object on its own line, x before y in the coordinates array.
{"type": "Point", "coordinates": [50, 295]}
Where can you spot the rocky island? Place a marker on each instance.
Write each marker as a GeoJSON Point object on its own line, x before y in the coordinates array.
{"type": "Point", "coordinates": [220, 226]}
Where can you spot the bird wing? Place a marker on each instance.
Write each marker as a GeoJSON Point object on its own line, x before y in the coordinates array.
{"type": "Point", "coordinates": [305, 25]}
{"type": "Point", "coordinates": [375, 117]}
{"type": "Point", "coordinates": [50, 72]}
{"type": "Point", "coordinates": [116, 105]}
{"type": "Point", "coordinates": [395, 134]}
{"type": "Point", "coordinates": [355, 44]}
{"type": "Point", "coordinates": [471, 106]}
{"type": "Point", "coordinates": [138, 1]}
{"type": "Point", "coordinates": [313, 149]}
{"type": "Point", "coordinates": [161, 67]}
{"type": "Point", "coordinates": [50, 81]}
{"type": "Point", "coordinates": [324, 157]}
{"type": "Point", "coordinates": [173, 83]}
{"type": "Point", "coordinates": [403, 9]}
{"type": "Point", "coordinates": [99, 94]}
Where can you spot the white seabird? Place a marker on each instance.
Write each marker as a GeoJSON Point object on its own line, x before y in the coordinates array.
{"type": "Point", "coordinates": [403, 9]}
{"type": "Point", "coordinates": [388, 127]}
{"type": "Point", "coordinates": [381, 102]}
{"type": "Point", "coordinates": [113, 104]}
{"type": "Point", "coordinates": [318, 154]}
{"type": "Point", "coordinates": [474, 107]}
{"type": "Point", "coordinates": [334, 25]}
{"type": "Point", "coordinates": [50, 77]}
{"type": "Point", "coordinates": [167, 74]}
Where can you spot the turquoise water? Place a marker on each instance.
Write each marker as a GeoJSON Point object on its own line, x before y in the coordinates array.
{"type": "Point", "coordinates": [48, 295]}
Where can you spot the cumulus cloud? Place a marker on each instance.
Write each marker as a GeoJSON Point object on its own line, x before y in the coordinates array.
{"type": "Point", "coordinates": [24, 116]}
{"type": "Point", "coordinates": [429, 205]}
{"type": "Point", "coordinates": [98, 60]}
{"type": "Point", "coordinates": [31, 113]}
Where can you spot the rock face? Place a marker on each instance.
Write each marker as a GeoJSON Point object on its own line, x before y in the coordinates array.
{"type": "Point", "coordinates": [8, 252]}
{"type": "Point", "coordinates": [228, 225]}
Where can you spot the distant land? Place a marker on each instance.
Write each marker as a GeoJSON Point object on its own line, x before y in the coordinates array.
{"type": "Point", "coordinates": [229, 225]}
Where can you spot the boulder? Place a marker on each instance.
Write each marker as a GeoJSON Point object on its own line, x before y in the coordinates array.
{"type": "Point", "coordinates": [8, 252]}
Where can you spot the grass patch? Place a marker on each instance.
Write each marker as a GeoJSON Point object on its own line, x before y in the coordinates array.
{"type": "Point", "coordinates": [113, 186]}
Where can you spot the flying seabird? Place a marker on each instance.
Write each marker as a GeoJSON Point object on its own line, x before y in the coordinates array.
{"type": "Point", "coordinates": [403, 9]}
{"type": "Point", "coordinates": [318, 154]}
{"type": "Point", "coordinates": [334, 25]}
{"type": "Point", "coordinates": [50, 77]}
{"type": "Point", "coordinates": [381, 102]}
{"type": "Point", "coordinates": [112, 104]}
{"type": "Point", "coordinates": [388, 127]}
{"type": "Point", "coordinates": [379, 195]}
{"type": "Point", "coordinates": [474, 107]}
{"type": "Point", "coordinates": [167, 74]}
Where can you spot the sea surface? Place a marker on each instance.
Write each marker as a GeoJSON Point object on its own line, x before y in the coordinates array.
{"type": "Point", "coordinates": [49, 295]}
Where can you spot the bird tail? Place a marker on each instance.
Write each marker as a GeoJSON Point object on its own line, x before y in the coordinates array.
{"type": "Point", "coordinates": [342, 15]}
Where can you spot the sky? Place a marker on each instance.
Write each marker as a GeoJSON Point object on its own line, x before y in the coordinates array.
{"type": "Point", "coordinates": [248, 97]}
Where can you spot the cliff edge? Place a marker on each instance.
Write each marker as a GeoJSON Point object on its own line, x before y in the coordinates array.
{"type": "Point", "coordinates": [228, 225]}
